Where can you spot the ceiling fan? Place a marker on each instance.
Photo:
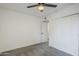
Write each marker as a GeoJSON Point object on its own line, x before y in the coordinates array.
{"type": "Point", "coordinates": [40, 6]}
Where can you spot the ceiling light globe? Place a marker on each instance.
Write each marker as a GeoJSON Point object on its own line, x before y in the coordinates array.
{"type": "Point", "coordinates": [40, 8]}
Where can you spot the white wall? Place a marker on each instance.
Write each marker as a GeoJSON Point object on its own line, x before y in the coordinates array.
{"type": "Point", "coordinates": [64, 31]}
{"type": "Point", "coordinates": [18, 30]}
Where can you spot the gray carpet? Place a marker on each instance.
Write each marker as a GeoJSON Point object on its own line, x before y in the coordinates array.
{"type": "Point", "coordinates": [41, 49]}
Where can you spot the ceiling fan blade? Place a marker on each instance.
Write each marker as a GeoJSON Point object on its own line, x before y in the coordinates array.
{"type": "Point", "coordinates": [31, 6]}
{"type": "Point", "coordinates": [50, 5]}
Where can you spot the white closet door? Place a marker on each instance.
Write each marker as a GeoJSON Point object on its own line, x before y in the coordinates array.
{"type": "Point", "coordinates": [64, 34]}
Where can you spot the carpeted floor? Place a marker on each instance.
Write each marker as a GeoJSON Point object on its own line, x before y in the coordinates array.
{"type": "Point", "coordinates": [41, 49]}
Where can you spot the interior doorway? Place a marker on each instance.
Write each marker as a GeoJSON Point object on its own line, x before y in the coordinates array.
{"type": "Point", "coordinates": [44, 29]}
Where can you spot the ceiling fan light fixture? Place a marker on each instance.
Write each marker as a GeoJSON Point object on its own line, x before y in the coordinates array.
{"type": "Point", "coordinates": [40, 7]}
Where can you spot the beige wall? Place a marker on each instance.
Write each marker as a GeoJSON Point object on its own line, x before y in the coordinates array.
{"type": "Point", "coordinates": [18, 30]}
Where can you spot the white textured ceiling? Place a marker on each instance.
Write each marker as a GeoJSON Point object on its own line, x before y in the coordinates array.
{"type": "Point", "coordinates": [21, 7]}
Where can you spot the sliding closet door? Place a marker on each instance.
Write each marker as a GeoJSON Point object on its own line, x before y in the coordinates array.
{"type": "Point", "coordinates": [64, 34]}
